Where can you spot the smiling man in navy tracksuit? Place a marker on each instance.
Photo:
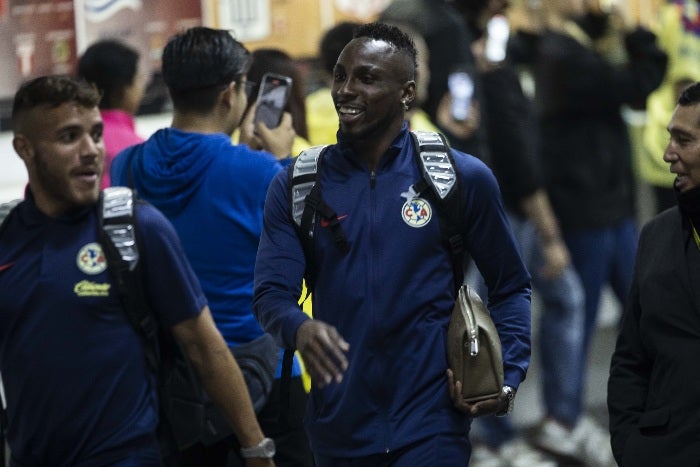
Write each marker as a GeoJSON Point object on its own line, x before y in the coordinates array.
{"type": "Point", "coordinates": [376, 346]}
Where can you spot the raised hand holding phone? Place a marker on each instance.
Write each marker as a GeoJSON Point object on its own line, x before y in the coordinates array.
{"type": "Point", "coordinates": [272, 99]}
{"type": "Point", "coordinates": [277, 140]}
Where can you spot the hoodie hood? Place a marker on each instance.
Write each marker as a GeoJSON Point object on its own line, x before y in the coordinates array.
{"type": "Point", "coordinates": [169, 168]}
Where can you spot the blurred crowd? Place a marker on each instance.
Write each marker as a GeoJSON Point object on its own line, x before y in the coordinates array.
{"type": "Point", "coordinates": [567, 102]}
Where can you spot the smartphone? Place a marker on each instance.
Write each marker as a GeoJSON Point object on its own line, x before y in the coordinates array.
{"type": "Point", "coordinates": [272, 99]}
{"type": "Point", "coordinates": [461, 88]}
{"type": "Point", "coordinates": [497, 33]}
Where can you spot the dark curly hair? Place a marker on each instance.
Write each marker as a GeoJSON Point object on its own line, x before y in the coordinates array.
{"type": "Point", "coordinates": [52, 91]}
{"type": "Point", "coordinates": [391, 34]}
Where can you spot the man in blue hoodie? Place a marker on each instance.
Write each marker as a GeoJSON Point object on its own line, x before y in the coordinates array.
{"type": "Point", "coordinates": [376, 346]}
{"type": "Point", "coordinates": [213, 192]}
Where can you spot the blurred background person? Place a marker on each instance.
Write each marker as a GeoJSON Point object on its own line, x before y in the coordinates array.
{"type": "Point", "coordinates": [678, 31]}
{"type": "Point", "coordinates": [417, 117]}
{"type": "Point", "coordinates": [322, 117]}
{"type": "Point", "coordinates": [652, 393]}
{"type": "Point", "coordinates": [586, 152]}
{"type": "Point", "coordinates": [271, 60]}
{"type": "Point", "coordinates": [450, 58]}
{"type": "Point", "coordinates": [214, 192]}
{"type": "Point", "coordinates": [513, 144]}
{"type": "Point", "coordinates": [114, 68]}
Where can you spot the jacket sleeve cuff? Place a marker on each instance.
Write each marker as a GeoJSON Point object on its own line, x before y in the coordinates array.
{"type": "Point", "coordinates": [289, 332]}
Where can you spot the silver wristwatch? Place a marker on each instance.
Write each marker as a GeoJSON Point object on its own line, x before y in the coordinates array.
{"type": "Point", "coordinates": [264, 449]}
{"type": "Point", "coordinates": [510, 398]}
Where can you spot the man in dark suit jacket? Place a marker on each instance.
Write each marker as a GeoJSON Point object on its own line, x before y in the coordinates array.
{"type": "Point", "coordinates": [654, 388]}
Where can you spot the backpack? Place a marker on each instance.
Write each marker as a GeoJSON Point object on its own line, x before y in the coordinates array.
{"type": "Point", "coordinates": [438, 183]}
{"type": "Point", "coordinates": [187, 414]}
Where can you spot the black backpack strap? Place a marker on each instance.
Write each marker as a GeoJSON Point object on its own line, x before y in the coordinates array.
{"type": "Point", "coordinates": [302, 180]}
{"type": "Point", "coordinates": [306, 202]}
{"type": "Point", "coordinates": [315, 204]}
{"type": "Point", "coordinates": [441, 183]}
{"type": "Point", "coordinates": [285, 386]}
{"type": "Point", "coordinates": [118, 237]}
{"type": "Point", "coordinates": [117, 234]}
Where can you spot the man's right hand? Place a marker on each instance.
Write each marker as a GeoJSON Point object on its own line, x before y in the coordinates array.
{"type": "Point", "coordinates": [323, 350]}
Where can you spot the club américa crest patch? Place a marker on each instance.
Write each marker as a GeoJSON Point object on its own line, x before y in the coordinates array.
{"type": "Point", "coordinates": [416, 212]}
{"type": "Point", "coordinates": [91, 259]}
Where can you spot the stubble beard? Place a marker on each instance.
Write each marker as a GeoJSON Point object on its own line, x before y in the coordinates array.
{"type": "Point", "coordinates": [59, 187]}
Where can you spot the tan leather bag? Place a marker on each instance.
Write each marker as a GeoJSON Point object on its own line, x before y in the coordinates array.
{"type": "Point", "coordinates": [474, 348]}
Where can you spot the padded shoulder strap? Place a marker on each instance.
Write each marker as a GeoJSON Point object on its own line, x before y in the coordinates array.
{"type": "Point", "coordinates": [117, 233]}
{"type": "Point", "coordinates": [439, 175]}
{"type": "Point", "coordinates": [302, 179]}
{"type": "Point", "coordinates": [118, 223]}
{"type": "Point", "coordinates": [307, 201]}
{"type": "Point", "coordinates": [436, 163]}
{"type": "Point", "coordinates": [5, 210]}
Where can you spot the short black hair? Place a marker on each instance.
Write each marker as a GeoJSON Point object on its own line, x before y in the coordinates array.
{"type": "Point", "coordinates": [391, 34]}
{"type": "Point", "coordinates": [52, 91]}
{"type": "Point", "coordinates": [333, 41]}
{"type": "Point", "coordinates": [198, 62]}
{"type": "Point", "coordinates": [111, 65]}
{"type": "Point", "coordinates": [690, 95]}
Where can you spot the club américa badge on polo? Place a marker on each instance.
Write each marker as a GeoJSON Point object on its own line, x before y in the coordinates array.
{"type": "Point", "coordinates": [416, 211]}
{"type": "Point", "coordinates": [91, 259]}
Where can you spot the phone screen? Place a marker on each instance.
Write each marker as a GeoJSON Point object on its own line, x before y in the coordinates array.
{"type": "Point", "coordinates": [497, 33]}
{"type": "Point", "coordinates": [461, 90]}
{"type": "Point", "coordinates": [272, 98]}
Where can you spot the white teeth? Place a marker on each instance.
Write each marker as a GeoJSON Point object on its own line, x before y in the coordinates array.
{"type": "Point", "coordinates": [349, 110]}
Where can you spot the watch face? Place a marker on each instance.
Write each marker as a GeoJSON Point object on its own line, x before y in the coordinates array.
{"type": "Point", "coordinates": [268, 448]}
{"type": "Point", "coordinates": [265, 450]}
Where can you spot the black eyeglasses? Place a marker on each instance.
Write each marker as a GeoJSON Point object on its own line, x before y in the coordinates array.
{"type": "Point", "coordinates": [251, 88]}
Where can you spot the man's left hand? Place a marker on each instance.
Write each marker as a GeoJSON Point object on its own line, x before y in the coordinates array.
{"type": "Point", "coordinates": [474, 409]}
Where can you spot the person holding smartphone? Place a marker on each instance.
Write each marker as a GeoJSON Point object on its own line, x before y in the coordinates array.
{"type": "Point", "coordinates": [213, 191]}
{"type": "Point", "coordinates": [274, 71]}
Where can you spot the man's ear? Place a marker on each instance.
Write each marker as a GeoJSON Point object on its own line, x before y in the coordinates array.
{"type": "Point", "coordinates": [409, 92]}
{"type": "Point", "coordinates": [23, 147]}
{"type": "Point", "coordinates": [229, 95]}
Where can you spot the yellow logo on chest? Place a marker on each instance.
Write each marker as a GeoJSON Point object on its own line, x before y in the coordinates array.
{"type": "Point", "coordinates": [86, 288]}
